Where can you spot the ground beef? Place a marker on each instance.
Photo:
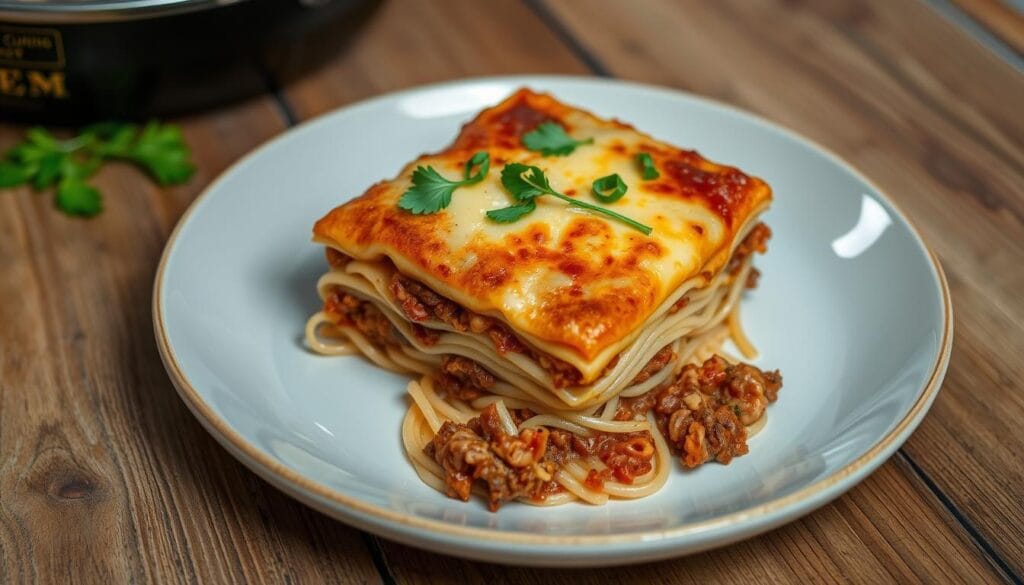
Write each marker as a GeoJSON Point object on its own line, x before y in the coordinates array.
{"type": "Point", "coordinates": [507, 466]}
{"type": "Point", "coordinates": [755, 241]}
{"type": "Point", "coordinates": [752, 278]}
{"type": "Point", "coordinates": [504, 340]}
{"type": "Point", "coordinates": [415, 306]}
{"type": "Point", "coordinates": [707, 434]}
{"type": "Point", "coordinates": [704, 413]}
{"type": "Point", "coordinates": [463, 378]}
{"type": "Point", "coordinates": [425, 335]}
{"type": "Point", "coordinates": [634, 408]}
{"type": "Point", "coordinates": [654, 365]}
{"type": "Point", "coordinates": [563, 374]}
{"type": "Point", "coordinates": [420, 303]}
{"type": "Point", "coordinates": [627, 455]}
{"type": "Point", "coordinates": [335, 258]}
{"type": "Point", "coordinates": [347, 309]}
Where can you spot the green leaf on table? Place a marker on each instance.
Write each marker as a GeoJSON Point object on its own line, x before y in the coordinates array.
{"type": "Point", "coordinates": [48, 170]}
{"type": "Point", "coordinates": [13, 174]}
{"type": "Point", "coordinates": [162, 152]}
{"type": "Point", "coordinates": [42, 138]}
{"type": "Point", "coordinates": [75, 197]}
{"type": "Point", "coordinates": [46, 161]}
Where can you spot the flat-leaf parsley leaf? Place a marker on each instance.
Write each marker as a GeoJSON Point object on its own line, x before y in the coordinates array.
{"type": "Point", "coordinates": [512, 213]}
{"type": "Point", "coordinates": [76, 197]}
{"type": "Point", "coordinates": [550, 139]}
{"type": "Point", "coordinates": [430, 192]}
{"type": "Point", "coordinates": [44, 161]}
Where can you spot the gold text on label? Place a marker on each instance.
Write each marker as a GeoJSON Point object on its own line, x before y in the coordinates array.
{"type": "Point", "coordinates": [32, 84]}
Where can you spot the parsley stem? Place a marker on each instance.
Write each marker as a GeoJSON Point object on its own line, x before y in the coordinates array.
{"type": "Point", "coordinates": [72, 144]}
{"type": "Point", "coordinates": [598, 209]}
{"type": "Point", "coordinates": [544, 188]}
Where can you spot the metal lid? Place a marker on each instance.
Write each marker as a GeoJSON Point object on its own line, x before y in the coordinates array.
{"type": "Point", "coordinates": [83, 11]}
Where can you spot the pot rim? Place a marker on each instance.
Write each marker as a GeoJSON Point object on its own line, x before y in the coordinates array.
{"type": "Point", "coordinates": [93, 11]}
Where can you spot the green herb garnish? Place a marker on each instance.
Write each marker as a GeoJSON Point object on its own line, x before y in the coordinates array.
{"type": "Point", "coordinates": [430, 192]}
{"type": "Point", "coordinates": [647, 168]}
{"type": "Point", "coordinates": [550, 139]}
{"type": "Point", "coordinates": [513, 213]}
{"type": "Point", "coordinates": [43, 160]}
{"type": "Point", "coordinates": [526, 183]}
{"type": "Point", "coordinates": [75, 197]}
{"type": "Point", "coordinates": [609, 189]}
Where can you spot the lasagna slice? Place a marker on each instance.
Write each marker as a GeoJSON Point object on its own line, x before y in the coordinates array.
{"type": "Point", "coordinates": [563, 354]}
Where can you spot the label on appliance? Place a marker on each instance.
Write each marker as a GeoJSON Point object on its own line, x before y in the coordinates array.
{"type": "Point", "coordinates": [32, 63]}
{"type": "Point", "coordinates": [31, 47]}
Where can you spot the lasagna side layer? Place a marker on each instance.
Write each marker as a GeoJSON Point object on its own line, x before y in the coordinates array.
{"type": "Point", "coordinates": [574, 284]}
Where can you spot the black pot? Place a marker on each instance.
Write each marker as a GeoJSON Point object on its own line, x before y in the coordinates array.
{"type": "Point", "coordinates": [75, 61]}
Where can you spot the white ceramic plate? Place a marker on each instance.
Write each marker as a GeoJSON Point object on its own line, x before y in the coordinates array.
{"type": "Point", "coordinates": [852, 307]}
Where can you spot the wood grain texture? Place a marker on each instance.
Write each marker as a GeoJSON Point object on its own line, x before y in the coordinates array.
{"type": "Point", "coordinates": [670, 44]}
{"type": "Point", "coordinates": [842, 542]}
{"type": "Point", "coordinates": [1005, 21]}
{"type": "Point", "coordinates": [104, 474]}
{"type": "Point", "coordinates": [917, 114]}
{"type": "Point", "coordinates": [410, 43]}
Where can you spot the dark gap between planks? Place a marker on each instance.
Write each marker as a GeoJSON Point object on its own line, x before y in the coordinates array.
{"type": "Point", "coordinates": [284, 107]}
{"type": "Point", "coordinates": [986, 548]}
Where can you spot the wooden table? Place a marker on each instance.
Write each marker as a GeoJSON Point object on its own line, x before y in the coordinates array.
{"type": "Point", "coordinates": [105, 476]}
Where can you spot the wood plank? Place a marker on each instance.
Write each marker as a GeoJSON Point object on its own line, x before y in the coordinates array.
{"type": "Point", "coordinates": [863, 534]}
{"type": "Point", "coordinates": [907, 98]}
{"type": "Point", "coordinates": [842, 542]}
{"type": "Point", "coordinates": [410, 43]}
{"type": "Point", "coordinates": [1005, 21]}
{"type": "Point", "coordinates": [104, 474]}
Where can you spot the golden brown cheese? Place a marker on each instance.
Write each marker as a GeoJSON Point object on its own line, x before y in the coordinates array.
{"type": "Point", "coordinates": [576, 284]}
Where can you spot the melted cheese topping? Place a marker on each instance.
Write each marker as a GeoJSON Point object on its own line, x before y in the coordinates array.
{"type": "Point", "coordinates": [576, 285]}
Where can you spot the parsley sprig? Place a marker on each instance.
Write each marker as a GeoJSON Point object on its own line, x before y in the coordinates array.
{"type": "Point", "coordinates": [526, 183]}
{"type": "Point", "coordinates": [45, 161]}
{"type": "Point", "coordinates": [550, 139]}
{"type": "Point", "coordinates": [430, 192]}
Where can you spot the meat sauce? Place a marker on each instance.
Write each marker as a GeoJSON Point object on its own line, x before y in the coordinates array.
{"type": "Point", "coordinates": [420, 303]}
{"type": "Point", "coordinates": [704, 413]}
{"type": "Point", "coordinates": [416, 299]}
{"type": "Point", "coordinates": [507, 466]}
{"type": "Point", "coordinates": [755, 241]}
{"type": "Point", "coordinates": [626, 455]}
{"type": "Point", "coordinates": [524, 465]}
{"type": "Point", "coordinates": [346, 309]}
